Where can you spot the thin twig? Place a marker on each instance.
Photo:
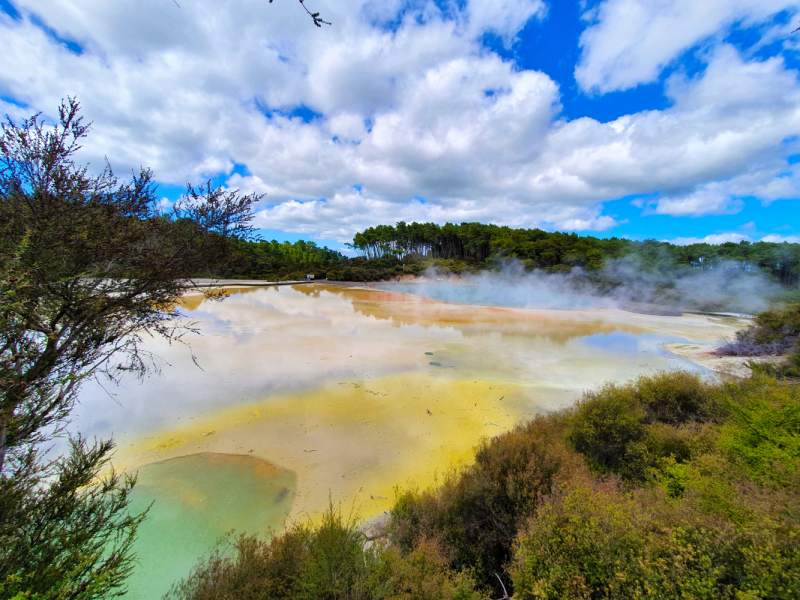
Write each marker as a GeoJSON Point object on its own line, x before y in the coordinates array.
{"type": "Point", "coordinates": [318, 21]}
{"type": "Point", "coordinates": [315, 16]}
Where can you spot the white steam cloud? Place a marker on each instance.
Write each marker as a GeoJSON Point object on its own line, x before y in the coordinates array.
{"type": "Point", "coordinates": [624, 283]}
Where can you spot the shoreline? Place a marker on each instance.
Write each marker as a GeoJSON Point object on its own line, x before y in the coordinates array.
{"type": "Point", "coordinates": [703, 356]}
{"type": "Point", "coordinates": [358, 391]}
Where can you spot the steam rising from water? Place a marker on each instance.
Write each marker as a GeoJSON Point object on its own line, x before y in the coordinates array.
{"type": "Point", "coordinates": [621, 284]}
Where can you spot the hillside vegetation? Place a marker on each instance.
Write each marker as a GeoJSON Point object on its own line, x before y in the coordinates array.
{"type": "Point", "coordinates": [479, 243]}
{"type": "Point", "coordinates": [669, 486]}
{"type": "Point", "coordinates": [389, 251]}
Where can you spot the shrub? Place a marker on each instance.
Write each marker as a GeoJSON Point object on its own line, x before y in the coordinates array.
{"type": "Point", "coordinates": [597, 542]}
{"type": "Point", "coordinates": [421, 575]}
{"type": "Point", "coordinates": [788, 370]}
{"type": "Point", "coordinates": [637, 429]}
{"type": "Point", "coordinates": [677, 397]}
{"type": "Point", "coordinates": [328, 560]}
{"type": "Point", "coordinates": [605, 424]}
{"type": "Point", "coordinates": [331, 560]}
{"type": "Point", "coordinates": [764, 431]}
{"type": "Point", "coordinates": [475, 513]}
{"type": "Point", "coordinates": [776, 325]}
{"type": "Point", "coordinates": [772, 332]}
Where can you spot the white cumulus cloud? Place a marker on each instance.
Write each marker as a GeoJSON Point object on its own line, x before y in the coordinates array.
{"type": "Point", "coordinates": [730, 236]}
{"type": "Point", "coordinates": [629, 42]}
{"type": "Point", "coordinates": [714, 238]}
{"type": "Point", "coordinates": [417, 121]}
{"type": "Point", "coordinates": [779, 239]}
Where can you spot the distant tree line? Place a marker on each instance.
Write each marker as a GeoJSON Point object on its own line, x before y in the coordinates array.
{"type": "Point", "coordinates": [387, 251]}
{"type": "Point", "coordinates": [478, 243]}
{"type": "Point", "coordinates": [273, 260]}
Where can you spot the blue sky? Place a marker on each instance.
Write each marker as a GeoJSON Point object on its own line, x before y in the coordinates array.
{"type": "Point", "coordinates": [675, 120]}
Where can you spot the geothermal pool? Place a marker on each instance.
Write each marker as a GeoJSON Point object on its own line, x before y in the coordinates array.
{"type": "Point", "coordinates": [314, 391]}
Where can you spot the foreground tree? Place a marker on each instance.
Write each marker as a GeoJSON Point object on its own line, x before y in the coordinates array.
{"type": "Point", "coordinates": [88, 266]}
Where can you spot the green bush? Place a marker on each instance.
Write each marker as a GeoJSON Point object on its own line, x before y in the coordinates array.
{"type": "Point", "coordinates": [328, 560]}
{"type": "Point", "coordinates": [721, 521]}
{"type": "Point", "coordinates": [331, 560]}
{"type": "Point", "coordinates": [790, 369]}
{"type": "Point", "coordinates": [475, 513]}
{"type": "Point", "coordinates": [764, 431]}
{"type": "Point", "coordinates": [605, 424]}
{"type": "Point", "coordinates": [634, 430]}
{"type": "Point", "coordinates": [677, 397]}
{"type": "Point", "coordinates": [775, 332]}
{"type": "Point", "coordinates": [422, 574]}
{"type": "Point", "coordinates": [598, 542]}
{"type": "Point", "coordinates": [775, 325]}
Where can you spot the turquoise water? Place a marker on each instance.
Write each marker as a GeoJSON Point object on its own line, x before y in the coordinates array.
{"type": "Point", "coordinates": [196, 500]}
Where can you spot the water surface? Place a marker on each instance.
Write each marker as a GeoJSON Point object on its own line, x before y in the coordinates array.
{"type": "Point", "coordinates": [348, 392]}
{"type": "Point", "coordinates": [196, 499]}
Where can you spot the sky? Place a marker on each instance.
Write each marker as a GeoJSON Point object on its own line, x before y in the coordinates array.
{"type": "Point", "coordinates": [676, 120]}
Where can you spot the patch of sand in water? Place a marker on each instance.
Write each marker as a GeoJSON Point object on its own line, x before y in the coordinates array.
{"type": "Point", "coordinates": [354, 440]}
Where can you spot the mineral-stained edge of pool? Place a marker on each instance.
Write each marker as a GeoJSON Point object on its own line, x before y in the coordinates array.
{"type": "Point", "coordinates": [197, 499]}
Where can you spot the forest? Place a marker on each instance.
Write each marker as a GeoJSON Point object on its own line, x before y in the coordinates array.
{"type": "Point", "coordinates": [387, 251]}
{"type": "Point", "coordinates": [477, 243]}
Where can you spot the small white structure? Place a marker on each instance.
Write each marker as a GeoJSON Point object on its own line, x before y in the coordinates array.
{"type": "Point", "coordinates": [309, 277]}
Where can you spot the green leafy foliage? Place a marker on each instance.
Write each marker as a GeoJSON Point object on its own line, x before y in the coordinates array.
{"type": "Point", "coordinates": [273, 261]}
{"type": "Point", "coordinates": [630, 429]}
{"type": "Point", "coordinates": [480, 244]}
{"type": "Point", "coordinates": [595, 541]}
{"type": "Point", "coordinates": [707, 506]}
{"type": "Point", "coordinates": [88, 265]}
{"type": "Point", "coordinates": [606, 425]}
{"type": "Point", "coordinates": [475, 513]}
{"type": "Point", "coordinates": [71, 538]}
{"type": "Point", "coordinates": [328, 560]}
{"type": "Point", "coordinates": [774, 325]}
{"type": "Point", "coordinates": [361, 269]}
{"type": "Point", "coordinates": [764, 430]}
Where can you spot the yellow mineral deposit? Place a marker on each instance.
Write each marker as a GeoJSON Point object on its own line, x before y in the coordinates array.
{"type": "Point", "coordinates": [354, 440]}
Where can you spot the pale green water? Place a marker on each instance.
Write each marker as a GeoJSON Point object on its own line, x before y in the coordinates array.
{"type": "Point", "coordinates": [198, 498]}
